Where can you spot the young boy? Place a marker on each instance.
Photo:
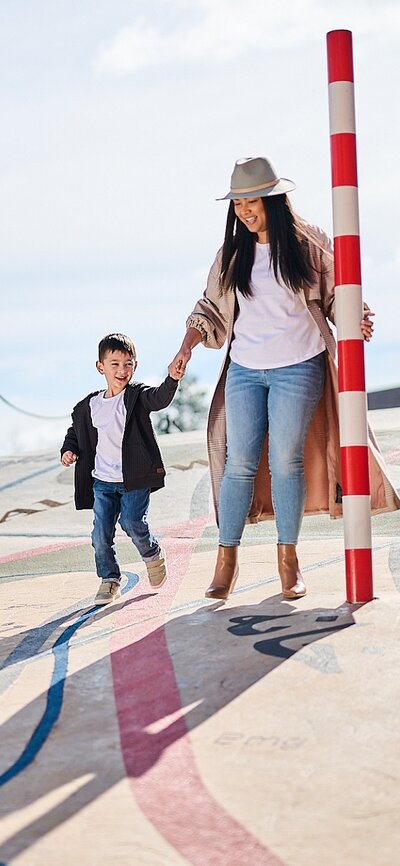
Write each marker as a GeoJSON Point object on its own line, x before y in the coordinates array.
{"type": "Point", "coordinates": [118, 462]}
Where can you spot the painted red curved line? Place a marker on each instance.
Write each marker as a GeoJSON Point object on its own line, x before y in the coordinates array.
{"type": "Point", "coordinates": [37, 551]}
{"type": "Point", "coordinates": [61, 545]}
{"type": "Point", "coordinates": [160, 765]}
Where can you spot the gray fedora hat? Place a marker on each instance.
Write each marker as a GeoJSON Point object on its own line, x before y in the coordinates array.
{"type": "Point", "coordinates": [256, 176]}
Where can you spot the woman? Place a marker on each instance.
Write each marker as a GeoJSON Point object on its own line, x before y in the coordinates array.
{"type": "Point", "coordinates": [269, 294]}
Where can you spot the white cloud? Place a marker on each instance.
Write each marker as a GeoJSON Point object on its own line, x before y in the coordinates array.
{"type": "Point", "coordinates": [132, 48]}
{"type": "Point", "coordinates": [228, 29]}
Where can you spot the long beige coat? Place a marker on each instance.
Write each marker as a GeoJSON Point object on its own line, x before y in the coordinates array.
{"type": "Point", "coordinates": [214, 316]}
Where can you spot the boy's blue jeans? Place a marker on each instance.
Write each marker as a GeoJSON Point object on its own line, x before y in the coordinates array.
{"type": "Point", "coordinates": [113, 502]}
{"type": "Point", "coordinates": [280, 401]}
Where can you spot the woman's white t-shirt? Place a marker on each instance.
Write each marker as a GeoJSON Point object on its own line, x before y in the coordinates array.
{"type": "Point", "coordinates": [108, 417]}
{"type": "Point", "coordinates": [273, 327]}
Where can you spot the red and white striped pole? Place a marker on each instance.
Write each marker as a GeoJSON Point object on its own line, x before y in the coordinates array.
{"type": "Point", "coordinates": [349, 312]}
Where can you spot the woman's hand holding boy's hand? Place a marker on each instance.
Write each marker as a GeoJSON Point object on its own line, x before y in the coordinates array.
{"type": "Point", "coordinates": [68, 458]}
{"type": "Point", "coordinates": [175, 372]}
{"type": "Point", "coordinates": [178, 365]}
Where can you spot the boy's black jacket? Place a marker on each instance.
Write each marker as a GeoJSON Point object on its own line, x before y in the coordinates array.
{"type": "Point", "coordinates": [142, 464]}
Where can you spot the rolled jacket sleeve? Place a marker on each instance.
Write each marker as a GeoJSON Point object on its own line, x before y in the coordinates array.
{"type": "Point", "coordinates": [212, 312]}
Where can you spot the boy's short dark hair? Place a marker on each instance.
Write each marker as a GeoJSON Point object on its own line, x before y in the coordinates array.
{"type": "Point", "coordinates": [116, 343]}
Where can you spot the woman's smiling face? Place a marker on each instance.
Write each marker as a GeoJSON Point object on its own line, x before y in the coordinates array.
{"type": "Point", "coordinates": [251, 212]}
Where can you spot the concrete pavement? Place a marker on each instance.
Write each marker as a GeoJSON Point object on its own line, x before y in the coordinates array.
{"type": "Point", "coordinates": [167, 730]}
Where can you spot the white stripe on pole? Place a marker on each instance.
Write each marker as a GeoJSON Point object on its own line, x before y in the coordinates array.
{"type": "Point", "coordinates": [341, 107]}
{"type": "Point", "coordinates": [348, 311]}
{"type": "Point", "coordinates": [351, 411]}
{"type": "Point", "coordinates": [357, 522]}
{"type": "Point", "coordinates": [345, 211]}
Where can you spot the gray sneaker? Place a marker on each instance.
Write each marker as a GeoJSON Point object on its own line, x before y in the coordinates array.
{"type": "Point", "coordinates": [107, 591]}
{"type": "Point", "coordinates": [157, 570]}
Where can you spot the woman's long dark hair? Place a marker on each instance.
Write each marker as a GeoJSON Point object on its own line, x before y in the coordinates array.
{"type": "Point", "coordinates": [289, 255]}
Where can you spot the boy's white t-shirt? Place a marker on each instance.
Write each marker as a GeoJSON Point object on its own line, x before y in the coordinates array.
{"type": "Point", "coordinates": [273, 327]}
{"type": "Point", "coordinates": [108, 417]}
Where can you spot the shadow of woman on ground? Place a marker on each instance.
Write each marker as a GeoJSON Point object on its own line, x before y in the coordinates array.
{"type": "Point", "coordinates": [166, 683]}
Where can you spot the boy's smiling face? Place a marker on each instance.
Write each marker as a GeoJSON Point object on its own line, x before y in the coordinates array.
{"type": "Point", "coordinates": [118, 368]}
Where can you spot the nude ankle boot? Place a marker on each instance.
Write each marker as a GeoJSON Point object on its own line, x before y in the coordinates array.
{"type": "Point", "coordinates": [293, 585]}
{"type": "Point", "coordinates": [226, 572]}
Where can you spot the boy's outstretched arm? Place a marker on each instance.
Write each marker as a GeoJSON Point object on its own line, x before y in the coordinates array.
{"type": "Point", "coordinates": [158, 398]}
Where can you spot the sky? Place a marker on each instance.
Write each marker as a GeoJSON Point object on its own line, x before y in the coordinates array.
{"type": "Point", "coordinates": [121, 123]}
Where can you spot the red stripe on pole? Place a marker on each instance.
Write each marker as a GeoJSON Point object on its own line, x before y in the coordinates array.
{"type": "Point", "coordinates": [340, 56]}
{"type": "Point", "coordinates": [344, 159]}
{"type": "Point", "coordinates": [347, 260]}
{"type": "Point", "coordinates": [354, 463]}
{"type": "Point", "coordinates": [359, 575]}
{"type": "Point", "coordinates": [351, 372]}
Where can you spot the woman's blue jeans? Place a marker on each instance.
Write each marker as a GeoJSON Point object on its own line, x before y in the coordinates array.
{"type": "Point", "coordinates": [113, 501]}
{"type": "Point", "coordinates": [281, 402]}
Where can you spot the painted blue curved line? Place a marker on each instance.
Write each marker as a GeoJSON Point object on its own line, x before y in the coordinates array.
{"type": "Point", "coordinates": [55, 692]}
{"type": "Point", "coordinates": [32, 642]}
{"type": "Point", "coordinates": [28, 477]}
